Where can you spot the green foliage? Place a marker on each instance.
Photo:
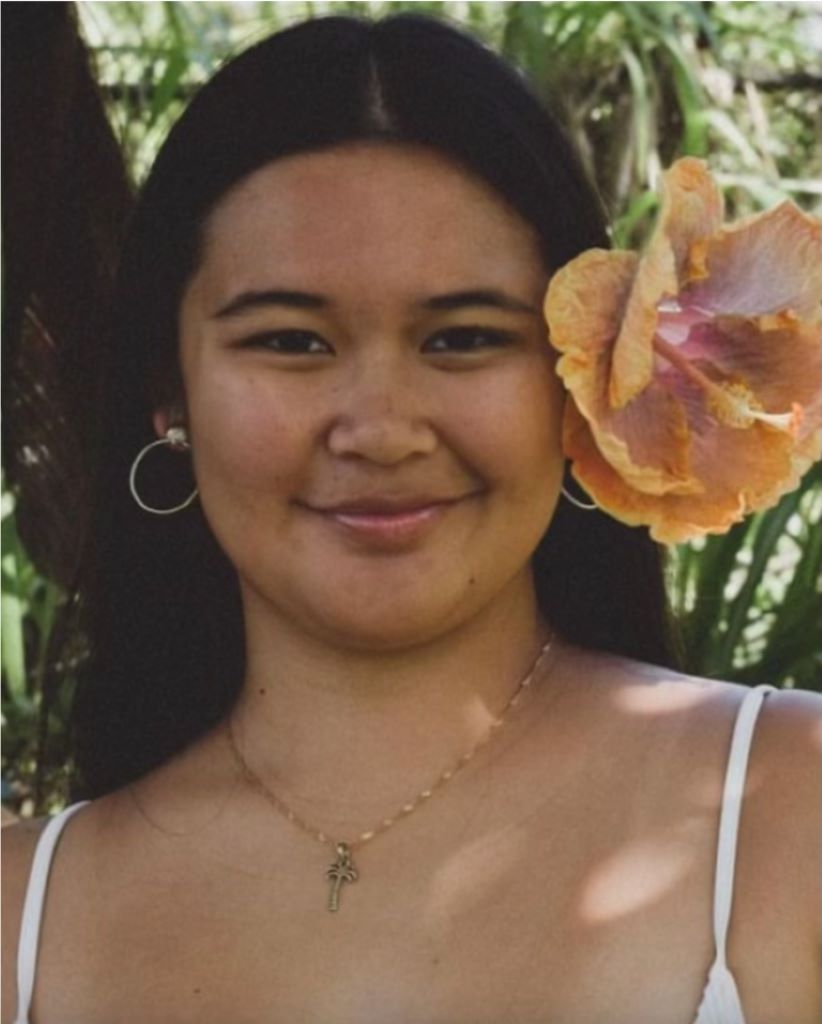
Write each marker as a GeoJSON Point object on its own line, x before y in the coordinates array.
{"type": "Point", "coordinates": [29, 606]}
{"type": "Point", "coordinates": [750, 602]}
{"type": "Point", "coordinates": [637, 84]}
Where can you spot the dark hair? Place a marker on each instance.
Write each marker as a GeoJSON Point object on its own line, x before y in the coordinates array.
{"type": "Point", "coordinates": [161, 601]}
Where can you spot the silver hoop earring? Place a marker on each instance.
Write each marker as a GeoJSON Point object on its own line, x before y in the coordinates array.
{"type": "Point", "coordinates": [177, 438]}
{"type": "Point", "coordinates": [579, 504]}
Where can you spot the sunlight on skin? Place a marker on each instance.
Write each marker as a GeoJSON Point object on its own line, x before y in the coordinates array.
{"type": "Point", "coordinates": [642, 869]}
{"type": "Point", "coordinates": [640, 872]}
{"type": "Point", "coordinates": [476, 866]}
{"type": "Point", "coordinates": [663, 698]}
{"type": "Point", "coordinates": [671, 697]}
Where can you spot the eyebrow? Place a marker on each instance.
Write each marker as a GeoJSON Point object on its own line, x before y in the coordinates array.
{"type": "Point", "coordinates": [489, 297]}
{"type": "Point", "coordinates": [486, 297]}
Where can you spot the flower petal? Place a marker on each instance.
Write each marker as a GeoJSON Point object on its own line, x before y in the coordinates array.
{"type": "Point", "coordinates": [648, 439]}
{"type": "Point", "coordinates": [586, 301]}
{"type": "Point", "coordinates": [767, 263]}
{"type": "Point", "coordinates": [777, 360]}
{"type": "Point", "coordinates": [757, 467]}
{"type": "Point", "coordinates": [648, 443]}
{"type": "Point", "coordinates": [672, 519]}
{"type": "Point", "coordinates": [693, 372]}
{"type": "Point", "coordinates": [691, 211]}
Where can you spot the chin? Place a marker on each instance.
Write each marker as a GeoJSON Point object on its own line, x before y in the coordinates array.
{"type": "Point", "coordinates": [384, 630]}
{"type": "Point", "coordinates": [385, 611]}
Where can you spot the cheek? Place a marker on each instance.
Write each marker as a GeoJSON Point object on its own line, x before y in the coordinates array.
{"type": "Point", "coordinates": [515, 432]}
{"type": "Point", "coordinates": [244, 441]}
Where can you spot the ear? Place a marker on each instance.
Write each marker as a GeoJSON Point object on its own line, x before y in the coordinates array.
{"type": "Point", "coordinates": [168, 416]}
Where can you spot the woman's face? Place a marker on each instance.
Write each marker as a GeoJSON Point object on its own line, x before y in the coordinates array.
{"type": "Point", "coordinates": [371, 401]}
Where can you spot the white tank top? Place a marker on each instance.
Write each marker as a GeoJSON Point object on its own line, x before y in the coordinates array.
{"type": "Point", "coordinates": [720, 999]}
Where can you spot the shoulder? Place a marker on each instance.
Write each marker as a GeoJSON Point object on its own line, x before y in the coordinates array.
{"type": "Point", "coordinates": [788, 756]}
{"type": "Point", "coordinates": [782, 819]}
{"type": "Point", "coordinates": [19, 841]}
{"type": "Point", "coordinates": [787, 740]}
{"type": "Point", "coordinates": [789, 726]}
{"type": "Point", "coordinates": [780, 844]}
{"type": "Point", "coordinates": [690, 721]}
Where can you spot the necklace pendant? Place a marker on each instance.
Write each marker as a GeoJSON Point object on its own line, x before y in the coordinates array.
{"type": "Point", "coordinates": [342, 870]}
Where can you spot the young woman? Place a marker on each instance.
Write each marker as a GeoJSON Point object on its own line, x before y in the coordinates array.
{"type": "Point", "coordinates": [379, 724]}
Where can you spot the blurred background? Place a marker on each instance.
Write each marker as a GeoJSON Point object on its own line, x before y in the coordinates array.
{"type": "Point", "coordinates": [89, 92]}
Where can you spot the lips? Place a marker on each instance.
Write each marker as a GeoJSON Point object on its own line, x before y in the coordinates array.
{"type": "Point", "coordinates": [388, 521]}
{"type": "Point", "coordinates": [384, 506]}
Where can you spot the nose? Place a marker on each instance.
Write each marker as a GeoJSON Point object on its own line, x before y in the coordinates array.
{"type": "Point", "coordinates": [383, 418]}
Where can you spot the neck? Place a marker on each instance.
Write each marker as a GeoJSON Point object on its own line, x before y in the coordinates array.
{"type": "Point", "coordinates": [346, 737]}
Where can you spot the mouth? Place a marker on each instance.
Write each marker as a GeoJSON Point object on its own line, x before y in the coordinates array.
{"type": "Point", "coordinates": [389, 522]}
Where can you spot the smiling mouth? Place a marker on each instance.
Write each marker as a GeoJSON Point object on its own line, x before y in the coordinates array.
{"type": "Point", "coordinates": [386, 523]}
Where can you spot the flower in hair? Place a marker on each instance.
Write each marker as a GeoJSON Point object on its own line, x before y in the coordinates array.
{"type": "Point", "coordinates": [692, 370]}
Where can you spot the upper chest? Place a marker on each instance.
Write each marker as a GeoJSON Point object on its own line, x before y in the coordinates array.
{"type": "Point", "coordinates": [580, 899]}
{"type": "Point", "coordinates": [500, 928]}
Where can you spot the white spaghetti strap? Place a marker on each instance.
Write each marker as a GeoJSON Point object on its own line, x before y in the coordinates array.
{"type": "Point", "coordinates": [33, 909]}
{"type": "Point", "coordinates": [731, 810]}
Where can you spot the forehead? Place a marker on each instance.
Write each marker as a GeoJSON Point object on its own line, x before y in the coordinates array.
{"type": "Point", "coordinates": [389, 212]}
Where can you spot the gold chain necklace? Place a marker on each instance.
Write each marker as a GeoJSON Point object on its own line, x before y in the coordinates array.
{"type": "Point", "coordinates": [343, 868]}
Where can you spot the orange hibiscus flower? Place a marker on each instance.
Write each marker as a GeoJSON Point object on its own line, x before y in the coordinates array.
{"type": "Point", "coordinates": [693, 371]}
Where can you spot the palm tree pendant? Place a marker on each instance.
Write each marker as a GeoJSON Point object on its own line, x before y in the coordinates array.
{"type": "Point", "coordinates": [342, 870]}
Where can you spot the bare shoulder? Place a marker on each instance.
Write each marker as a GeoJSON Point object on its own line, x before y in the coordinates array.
{"type": "Point", "coordinates": [778, 890]}
{"type": "Point", "coordinates": [784, 792]}
{"type": "Point", "coordinates": [779, 851]}
{"type": "Point", "coordinates": [789, 728]}
{"type": "Point", "coordinates": [19, 841]}
{"type": "Point", "coordinates": [792, 727]}
{"type": "Point", "coordinates": [788, 756]}
{"type": "Point", "coordinates": [787, 740]}
{"type": "Point", "coordinates": [689, 720]}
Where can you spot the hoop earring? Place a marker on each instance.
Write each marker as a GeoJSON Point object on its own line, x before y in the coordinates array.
{"type": "Point", "coordinates": [177, 438]}
{"type": "Point", "coordinates": [579, 504]}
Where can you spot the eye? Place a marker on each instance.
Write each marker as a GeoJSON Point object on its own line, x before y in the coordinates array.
{"type": "Point", "coordinates": [467, 339]}
{"type": "Point", "coordinates": [290, 342]}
